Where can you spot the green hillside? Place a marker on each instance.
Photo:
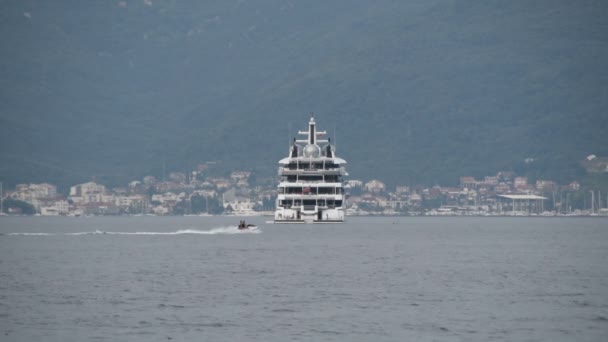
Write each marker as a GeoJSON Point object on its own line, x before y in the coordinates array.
{"type": "Point", "coordinates": [417, 91]}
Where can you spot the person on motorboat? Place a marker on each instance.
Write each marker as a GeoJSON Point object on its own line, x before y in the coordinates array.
{"type": "Point", "coordinates": [244, 225]}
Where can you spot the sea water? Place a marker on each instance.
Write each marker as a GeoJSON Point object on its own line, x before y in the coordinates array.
{"type": "Point", "coordinates": [371, 279]}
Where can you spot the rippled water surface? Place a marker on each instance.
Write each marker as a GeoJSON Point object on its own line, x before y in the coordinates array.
{"type": "Point", "coordinates": [373, 279]}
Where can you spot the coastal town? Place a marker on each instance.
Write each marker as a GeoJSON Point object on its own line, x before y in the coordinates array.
{"type": "Point", "coordinates": [239, 194]}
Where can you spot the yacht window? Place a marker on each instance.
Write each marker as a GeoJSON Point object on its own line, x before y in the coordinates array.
{"type": "Point", "coordinates": [311, 178]}
{"type": "Point", "coordinates": [326, 191]}
{"type": "Point", "coordinates": [294, 190]}
{"type": "Point", "coordinates": [285, 203]}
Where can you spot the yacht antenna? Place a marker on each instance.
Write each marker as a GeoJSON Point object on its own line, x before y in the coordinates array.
{"type": "Point", "coordinates": [164, 167]}
{"type": "Point", "coordinates": [335, 139]}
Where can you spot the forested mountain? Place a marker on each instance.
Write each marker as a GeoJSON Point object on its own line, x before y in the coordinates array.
{"type": "Point", "coordinates": [419, 91]}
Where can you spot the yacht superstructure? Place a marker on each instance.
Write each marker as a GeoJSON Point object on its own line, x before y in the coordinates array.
{"type": "Point", "coordinates": [311, 188]}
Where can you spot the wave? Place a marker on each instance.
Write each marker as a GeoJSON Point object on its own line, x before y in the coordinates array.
{"type": "Point", "coordinates": [214, 231]}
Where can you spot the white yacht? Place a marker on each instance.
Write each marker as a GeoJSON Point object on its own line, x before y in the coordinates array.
{"type": "Point", "coordinates": [311, 189]}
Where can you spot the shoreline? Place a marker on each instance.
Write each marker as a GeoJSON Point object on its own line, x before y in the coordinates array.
{"type": "Point", "coordinates": [603, 215]}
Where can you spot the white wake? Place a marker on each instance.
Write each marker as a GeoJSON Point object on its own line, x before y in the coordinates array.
{"type": "Point", "coordinates": [31, 234]}
{"type": "Point", "coordinates": [215, 231]}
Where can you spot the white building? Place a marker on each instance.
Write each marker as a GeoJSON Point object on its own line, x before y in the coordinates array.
{"type": "Point", "coordinates": [239, 205]}
{"type": "Point", "coordinates": [353, 183]}
{"type": "Point", "coordinates": [61, 207]}
{"type": "Point", "coordinates": [402, 189]}
{"type": "Point", "coordinates": [88, 188]}
{"type": "Point", "coordinates": [520, 182]}
{"type": "Point", "coordinates": [375, 186]}
{"type": "Point", "coordinates": [165, 198]}
{"type": "Point", "coordinates": [35, 194]}
{"type": "Point", "coordinates": [37, 191]}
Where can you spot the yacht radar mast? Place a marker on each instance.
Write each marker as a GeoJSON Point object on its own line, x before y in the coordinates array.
{"type": "Point", "coordinates": [312, 134]}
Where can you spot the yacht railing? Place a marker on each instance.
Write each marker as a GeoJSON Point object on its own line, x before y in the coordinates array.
{"type": "Point", "coordinates": [289, 171]}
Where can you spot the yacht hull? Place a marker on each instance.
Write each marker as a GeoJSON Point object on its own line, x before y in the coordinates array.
{"type": "Point", "coordinates": [316, 216]}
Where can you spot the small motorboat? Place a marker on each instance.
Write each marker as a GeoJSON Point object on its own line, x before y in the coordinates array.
{"type": "Point", "coordinates": [244, 225]}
